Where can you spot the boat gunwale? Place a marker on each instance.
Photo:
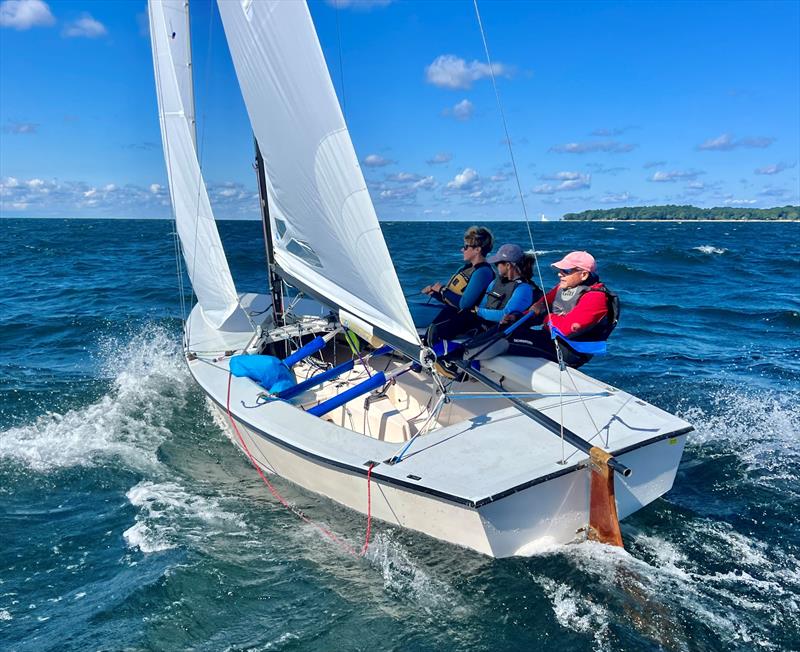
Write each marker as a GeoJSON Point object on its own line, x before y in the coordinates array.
{"type": "Point", "coordinates": [474, 504]}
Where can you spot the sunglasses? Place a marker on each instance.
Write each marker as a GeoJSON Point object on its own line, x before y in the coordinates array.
{"type": "Point", "coordinates": [568, 272]}
{"type": "Point", "coordinates": [469, 246]}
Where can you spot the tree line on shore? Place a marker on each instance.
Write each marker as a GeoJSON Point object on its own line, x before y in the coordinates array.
{"type": "Point", "coordinates": [673, 212]}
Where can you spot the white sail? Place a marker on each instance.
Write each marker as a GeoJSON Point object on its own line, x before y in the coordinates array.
{"type": "Point", "coordinates": [200, 242]}
{"type": "Point", "coordinates": [325, 231]}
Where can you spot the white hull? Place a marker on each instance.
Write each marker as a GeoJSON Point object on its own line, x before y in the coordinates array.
{"type": "Point", "coordinates": [493, 488]}
{"type": "Point", "coordinates": [553, 511]}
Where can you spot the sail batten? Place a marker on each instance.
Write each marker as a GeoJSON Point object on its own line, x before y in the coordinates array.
{"type": "Point", "coordinates": [324, 227]}
{"type": "Point", "coordinates": [200, 242]}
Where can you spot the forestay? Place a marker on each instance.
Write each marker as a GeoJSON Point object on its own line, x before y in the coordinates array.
{"type": "Point", "coordinates": [325, 231]}
{"type": "Point", "coordinates": [202, 248]}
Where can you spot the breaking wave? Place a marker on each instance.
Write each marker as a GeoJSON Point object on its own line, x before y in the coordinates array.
{"type": "Point", "coordinates": [710, 249]}
{"type": "Point", "coordinates": [127, 424]}
{"type": "Point", "coordinates": [169, 514]}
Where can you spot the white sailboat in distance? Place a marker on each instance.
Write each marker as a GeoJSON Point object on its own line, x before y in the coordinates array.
{"type": "Point", "coordinates": [374, 426]}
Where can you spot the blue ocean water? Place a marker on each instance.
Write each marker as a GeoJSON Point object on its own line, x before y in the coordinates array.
{"type": "Point", "coordinates": [129, 521]}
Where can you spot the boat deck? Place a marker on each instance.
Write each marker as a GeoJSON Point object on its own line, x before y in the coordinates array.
{"type": "Point", "coordinates": [474, 461]}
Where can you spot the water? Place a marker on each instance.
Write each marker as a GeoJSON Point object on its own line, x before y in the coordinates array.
{"type": "Point", "coordinates": [130, 522]}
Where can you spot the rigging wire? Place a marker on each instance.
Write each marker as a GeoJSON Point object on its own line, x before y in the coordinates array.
{"type": "Point", "coordinates": [510, 149]}
{"type": "Point", "coordinates": [559, 354]}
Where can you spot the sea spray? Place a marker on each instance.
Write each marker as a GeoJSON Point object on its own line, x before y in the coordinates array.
{"type": "Point", "coordinates": [147, 382]}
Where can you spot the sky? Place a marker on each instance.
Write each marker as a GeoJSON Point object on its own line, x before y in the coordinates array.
{"type": "Point", "coordinates": [607, 104]}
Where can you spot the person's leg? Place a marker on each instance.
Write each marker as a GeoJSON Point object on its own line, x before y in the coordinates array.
{"type": "Point", "coordinates": [456, 324]}
{"type": "Point", "coordinates": [432, 335]}
{"type": "Point", "coordinates": [532, 343]}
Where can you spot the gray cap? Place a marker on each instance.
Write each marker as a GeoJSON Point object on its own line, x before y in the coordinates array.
{"type": "Point", "coordinates": [508, 253]}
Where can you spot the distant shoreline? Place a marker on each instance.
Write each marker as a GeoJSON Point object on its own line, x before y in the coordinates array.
{"type": "Point", "coordinates": [672, 219]}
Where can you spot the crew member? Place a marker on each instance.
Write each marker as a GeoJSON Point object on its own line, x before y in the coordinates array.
{"type": "Point", "coordinates": [581, 309]}
{"type": "Point", "coordinates": [465, 289]}
{"type": "Point", "coordinates": [514, 290]}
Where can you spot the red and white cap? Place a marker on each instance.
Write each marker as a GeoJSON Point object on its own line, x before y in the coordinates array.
{"type": "Point", "coordinates": [577, 260]}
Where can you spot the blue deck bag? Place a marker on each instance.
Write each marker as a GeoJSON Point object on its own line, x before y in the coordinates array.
{"type": "Point", "coordinates": [269, 372]}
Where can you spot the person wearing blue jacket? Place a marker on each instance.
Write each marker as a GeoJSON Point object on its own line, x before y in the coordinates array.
{"type": "Point", "coordinates": [465, 289]}
{"type": "Point", "coordinates": [513, 291]}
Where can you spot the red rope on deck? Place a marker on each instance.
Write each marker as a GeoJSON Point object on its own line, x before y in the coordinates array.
{"type": "Point", "coordinates": [344, 545]}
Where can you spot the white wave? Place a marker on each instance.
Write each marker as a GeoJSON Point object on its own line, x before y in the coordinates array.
{"type": "Point", "coordinates": [763, 430]}
{"type": "Point", "coordinates": [709, 249]}
{"type": "Point", "coordinates": [609, 228]}
{"type": "Point", "coordinates": [661, 583]}
{"type": "Point", "coordinates": [169, 514]}
{"type": "Point", "coordinates": [5, 615]}
{"type": "Point", "coordinates": [576, 612]}
{"type": "Point", "coordinates": [148, 382]}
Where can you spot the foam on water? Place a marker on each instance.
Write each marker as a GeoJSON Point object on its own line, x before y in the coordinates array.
{"type": "Point", "coordinates": [710, 249]}
{"type": "Point", "coordinates": [402, 576]}
{"type": "Point", "coordinates": [170, 514]}
{"type": "Point", "coordinates": [575, 612]}
{"type": "Point", "coordinates": [148, 380]}
{"type": "Point", "coordinates": [761, 428]}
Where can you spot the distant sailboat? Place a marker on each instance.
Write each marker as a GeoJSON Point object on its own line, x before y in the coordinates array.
{"type": "Point", "coordinates": [500, 473]}
{"type": "Point", "coordinates": [542, 218]}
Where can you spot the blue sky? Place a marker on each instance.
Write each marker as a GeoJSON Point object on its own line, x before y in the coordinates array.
{"type": "Point", "coordinates": [608, 104]}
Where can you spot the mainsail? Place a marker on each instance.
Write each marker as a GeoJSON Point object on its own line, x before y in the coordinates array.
{"type": "Point", "coordinates": [325, 231]}
{"type": "Point", "coordinates": [202, 248]}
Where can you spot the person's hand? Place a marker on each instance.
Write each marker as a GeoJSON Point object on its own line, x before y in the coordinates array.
{"type": "Point", "coordinates": [426, 290]}
{"type": "Point", "coordinates": [436, 287]}
{"type": "Point", "coordinates": [510, 318]}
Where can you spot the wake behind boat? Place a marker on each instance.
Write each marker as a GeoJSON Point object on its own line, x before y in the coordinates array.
{"type": "Point", "coordinates": [519, 453]}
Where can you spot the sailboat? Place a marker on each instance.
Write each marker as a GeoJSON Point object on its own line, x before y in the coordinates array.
{"type": "Point", "coordinates": [515, 455]}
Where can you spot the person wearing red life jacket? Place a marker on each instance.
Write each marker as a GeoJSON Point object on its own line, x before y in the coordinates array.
{"type": "Point", "coordinates": [581, 311]}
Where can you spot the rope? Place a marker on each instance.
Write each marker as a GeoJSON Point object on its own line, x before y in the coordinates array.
{"type": "Point", "coordinates": [297, 512]}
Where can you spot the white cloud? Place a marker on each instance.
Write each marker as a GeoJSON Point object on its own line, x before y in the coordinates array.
{"type": "Point", "coordinates": [21, 128]}
{"type": "Point", "coordinates": [49, 198]}
{"type": "Point", "coordinates": [726, 142]}
{"type": "Point", "coordinates": [468, 180]}
{"type": "Point", "coordinates": [24, 14]}
{"type": "Point", "coordinates": [617, 198]}
{"type": "Point", "coordinates": [740, 202]}
{"type": "Point", "coordinates": [85, 27]}
{"type": "Point", "coordinates": [402, 177]}
{"type": "Point", "coordinates": [450, 71]}
{"type": "Point", "coordinates": [402, 187]}
{"type": "Point", "coordinates": [595, 146]}
{"type": "Point", "coordinates": [426, 183]}
{"type": "Point", "coordinates": [462, 111]}
{"type": "Point", "coordinates": [568, 181]}
{"type": "Point", "coordinates": [654, 164]}
{"type": "Point", "coordinates": [674, 175]}
{"type": "Point", "coordinates": [376, 161]}
{"type": "Point", "coordinates": [774, 169]}
{"type": "Point", "coordinates": [440, 158]}
{"type": "Point", "coordinates": [562, 176]}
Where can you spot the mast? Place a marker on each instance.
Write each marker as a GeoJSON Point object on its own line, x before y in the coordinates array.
{"type": "Point", "coordinates": [274, 279]}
